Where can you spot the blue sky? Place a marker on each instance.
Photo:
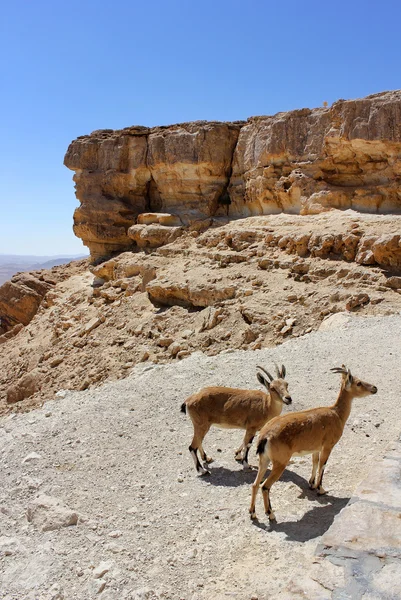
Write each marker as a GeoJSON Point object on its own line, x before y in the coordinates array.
{"type": "Point", "coordinates": [68, 68]}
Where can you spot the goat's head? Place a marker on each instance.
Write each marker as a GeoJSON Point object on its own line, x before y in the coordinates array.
{"type": "Point", "coordinates": [279, 385]}
{"type": "Point", "coordinates": [355, 386]}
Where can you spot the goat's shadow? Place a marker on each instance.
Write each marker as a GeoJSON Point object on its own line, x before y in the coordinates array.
{"type": "Point", "coordinates": [312, 524]}
{"type": "Point", "coordinates": [222, 477]}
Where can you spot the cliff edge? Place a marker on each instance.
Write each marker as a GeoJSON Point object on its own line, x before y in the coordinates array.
{"type": "Point", "coordinates": [144, 186]}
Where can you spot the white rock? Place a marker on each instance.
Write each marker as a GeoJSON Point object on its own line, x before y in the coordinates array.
{"type": "Point", "coordinates": [8, 545]}
{"type": "Point", "coordinates": [187, 333]}
{"type": "Point", "coordinates": [115, 534]}
{"type": "Point", "coordinates": [338, 320]}
{"type": "Point", "coordinates": [102, 569]}
{"type": "Point", "coordinates": [114, 548]}
{"type": "Point", "coordinates": [32, 456]}
{"type": "Point", "coordinates": [50, 513]}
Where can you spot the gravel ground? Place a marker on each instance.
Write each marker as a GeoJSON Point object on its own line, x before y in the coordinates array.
{"type": "Point", "coordinates": [113, 464]}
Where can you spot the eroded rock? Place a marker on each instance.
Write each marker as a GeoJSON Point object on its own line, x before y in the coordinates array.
{"type": "Point", "coordinates": [49, 513]}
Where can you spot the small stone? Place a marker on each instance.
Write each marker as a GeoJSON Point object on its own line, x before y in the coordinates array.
{"type": "Point", "coordinates": [357, 301]}
{"type": "Point", "coordinates": [180, 479]}
{"type": "Point", "coordinates": [56, 361]}
{"type": "Point", "coordinates": [187, 333]}
{"type": "Point", "coordinates": [115, 548]}
{"type": "Point", "coordinates": [50, 513]}
{"type": "Point", "coordinates": [102, 569]}
{"type": "Point", "coordinates": [144, 355]}
{"type": "Point", "coordinates": [175, 347]}
{"type": "Point", "coordinates": [98, 586]}
{"type": "Point", "coordinates": [165, 342]}
{"type": "Point", "coordinates": [115, 534]}
{"type": "Point", "coordinates": [31, 457]}
{"type": "Point", "coordinates": [8, 545]}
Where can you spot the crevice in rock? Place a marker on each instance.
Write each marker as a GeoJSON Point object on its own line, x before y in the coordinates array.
{"type": "Point", "coordinates": [224, 199]}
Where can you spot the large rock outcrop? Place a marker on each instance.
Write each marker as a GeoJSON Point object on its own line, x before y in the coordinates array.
{"type": "Point", "coordinates": [302, 162]}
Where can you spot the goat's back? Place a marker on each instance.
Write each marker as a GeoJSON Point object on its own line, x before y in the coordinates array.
{"type": "Point", "coordinates": [304, 431]}
{"type": "Point", "coordinates": [230, 407]}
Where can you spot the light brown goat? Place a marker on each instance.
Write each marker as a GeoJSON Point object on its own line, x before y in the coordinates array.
{"type": "Point", "coordinates": [315, 431]}
{"type": "Point", "coordinates": [235, 409]}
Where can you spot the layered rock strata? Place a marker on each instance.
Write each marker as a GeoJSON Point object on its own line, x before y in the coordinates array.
{"type": "Point", "coordinates": [303, 162]}
{"type": "Point", "coordinates": [250, 284]}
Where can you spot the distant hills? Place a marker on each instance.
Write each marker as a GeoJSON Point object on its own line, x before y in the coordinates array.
{"type": "Point", "coordinates": [14, 263]}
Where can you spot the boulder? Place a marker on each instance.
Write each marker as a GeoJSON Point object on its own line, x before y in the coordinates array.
{"type": "Point", "coordinates": [25, 387]}
{"type": "Point", "coordinates": [20, 299]}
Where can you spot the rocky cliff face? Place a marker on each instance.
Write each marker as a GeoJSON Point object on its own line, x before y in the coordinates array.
{"type": "Point", "coordinates": [302, 162]}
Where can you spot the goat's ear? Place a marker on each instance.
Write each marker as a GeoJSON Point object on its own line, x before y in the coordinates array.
{"type": "Point", "coordinates": [262, 380]}
{"type": "Point", "coordinates": [283, 372]}
{"type": "Point", "coordinates": [348, 380]}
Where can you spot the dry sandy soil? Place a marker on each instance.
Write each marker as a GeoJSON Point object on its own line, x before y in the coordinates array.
{"type": "Point", "coordinates": [112, 463]}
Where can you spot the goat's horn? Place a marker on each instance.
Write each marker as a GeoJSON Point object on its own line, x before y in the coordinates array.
{"type": "Point", "coordinates": [339, 370]}
{"type": "Point", "coordinates": [280, 372]}
{"type": "Point", "coordinates": [266, 372]}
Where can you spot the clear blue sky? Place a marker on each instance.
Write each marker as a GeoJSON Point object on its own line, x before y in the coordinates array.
{"type": "Point", "coordinates": [68, 68]}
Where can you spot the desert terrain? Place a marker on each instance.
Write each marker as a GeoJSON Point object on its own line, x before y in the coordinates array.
{"type": "Point", "coordinates": [214, 247]}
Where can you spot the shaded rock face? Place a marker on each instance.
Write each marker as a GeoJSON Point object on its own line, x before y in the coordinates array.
{"type": "Point", "coordinates": [183, 170]}
{"type": "Point", "coordinates": [302, 162]}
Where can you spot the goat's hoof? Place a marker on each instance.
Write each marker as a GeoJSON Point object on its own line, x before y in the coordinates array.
{"type": "Point", "coordinates": [272, 516]}
{"type": "Point", "coordinates": [204, 472]}
{"type": "Point", "coordinates": [252, 514]}
{"type": "Point", "coordinates": [238, 458]}
{"type": "Point", "coordinates": [208, 460]}
{"type": "Point", "coordinates": [321, 492]}
{"type": "Point", "coordinates": [246, 467]}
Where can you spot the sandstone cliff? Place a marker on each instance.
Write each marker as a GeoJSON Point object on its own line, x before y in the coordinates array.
{"type": "Point", "coordinates": [196, 174]}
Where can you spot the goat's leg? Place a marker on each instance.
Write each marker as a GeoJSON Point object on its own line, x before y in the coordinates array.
{"type": "Point", "coordinates": [249, 435]}
{"type": "Point", "coordinates": [242, 452]}
{"type": "Point", "coordinates": [206, 459]}
{"type": "Point", "coordinates": [315, 462]}
{"type": "Point", "coordinates": [263, 464]}
{"type": "Point", "coordinates": [238, 453]}
{"type": "Point", "coordinates": [323, 458]}
{"type": "Point", "coordinates": [275, 473]}
{"type": "Point", "coordinates": [199, 434]}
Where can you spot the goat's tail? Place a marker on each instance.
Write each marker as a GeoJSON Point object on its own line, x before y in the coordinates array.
{"type": "Point", "coordinates": [261, 446]}
{"type": "Point", "coordinates": [184, 408]}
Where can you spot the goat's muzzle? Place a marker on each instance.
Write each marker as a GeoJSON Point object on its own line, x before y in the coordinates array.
{"type": "Point", "coordinates": [287, 400]}
{"type": "Point", "coordinates": [374, 389]}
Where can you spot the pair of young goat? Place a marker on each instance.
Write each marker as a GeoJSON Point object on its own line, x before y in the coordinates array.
{"type": "Point", "coordinates": [315, 431]}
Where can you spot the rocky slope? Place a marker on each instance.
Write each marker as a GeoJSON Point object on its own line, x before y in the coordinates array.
{"type": "Point", "coordinates": [249, 284]}
{"type": "Point", "coordinates": [304, 162]}
{"type": "Point", "coordinates": [100, 498]}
